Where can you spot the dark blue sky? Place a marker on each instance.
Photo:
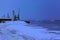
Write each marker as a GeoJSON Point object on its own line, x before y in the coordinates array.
{"type": "Point", "coordinates": [32, 9]}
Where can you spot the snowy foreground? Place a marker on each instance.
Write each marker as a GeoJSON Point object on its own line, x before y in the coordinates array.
{"type": "Point", "coordinates": [19, 30]}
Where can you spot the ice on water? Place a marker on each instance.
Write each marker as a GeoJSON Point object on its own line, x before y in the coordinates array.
{"type": "Point", "coordinates": [19, 30]}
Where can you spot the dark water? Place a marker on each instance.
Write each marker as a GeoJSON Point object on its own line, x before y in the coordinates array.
{"type": "Point", "coordinates": [47, 24]}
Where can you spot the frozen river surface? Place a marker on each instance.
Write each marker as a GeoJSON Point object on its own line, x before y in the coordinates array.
{"type": "Point", "coordinates": [19, 30]}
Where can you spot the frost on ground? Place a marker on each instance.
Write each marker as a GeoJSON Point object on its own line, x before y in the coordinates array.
{"type": "Point", "coordinates": [19, 30]}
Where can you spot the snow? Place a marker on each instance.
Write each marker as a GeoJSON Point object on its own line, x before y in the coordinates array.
{"type": "Point", "coordinates": [19, 30]}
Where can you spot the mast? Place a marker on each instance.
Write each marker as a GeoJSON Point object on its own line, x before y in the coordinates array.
{"type": "Point", "coordinates": [8, 15]}
{"type": "Point", "coordinates": [14, 16]}
{"type": "Point", "coordinates": [19, 14]}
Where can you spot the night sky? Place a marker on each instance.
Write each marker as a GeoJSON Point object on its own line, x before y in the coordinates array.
{"type": "Point", "coordinates": [32, 9]}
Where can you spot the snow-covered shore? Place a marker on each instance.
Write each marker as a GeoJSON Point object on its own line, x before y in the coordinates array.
{"type": "Point", "coordinates": [19, 30]}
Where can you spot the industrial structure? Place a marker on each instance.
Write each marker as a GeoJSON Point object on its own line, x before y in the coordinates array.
{"type": "Point", "coordinates": [15, 17]}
